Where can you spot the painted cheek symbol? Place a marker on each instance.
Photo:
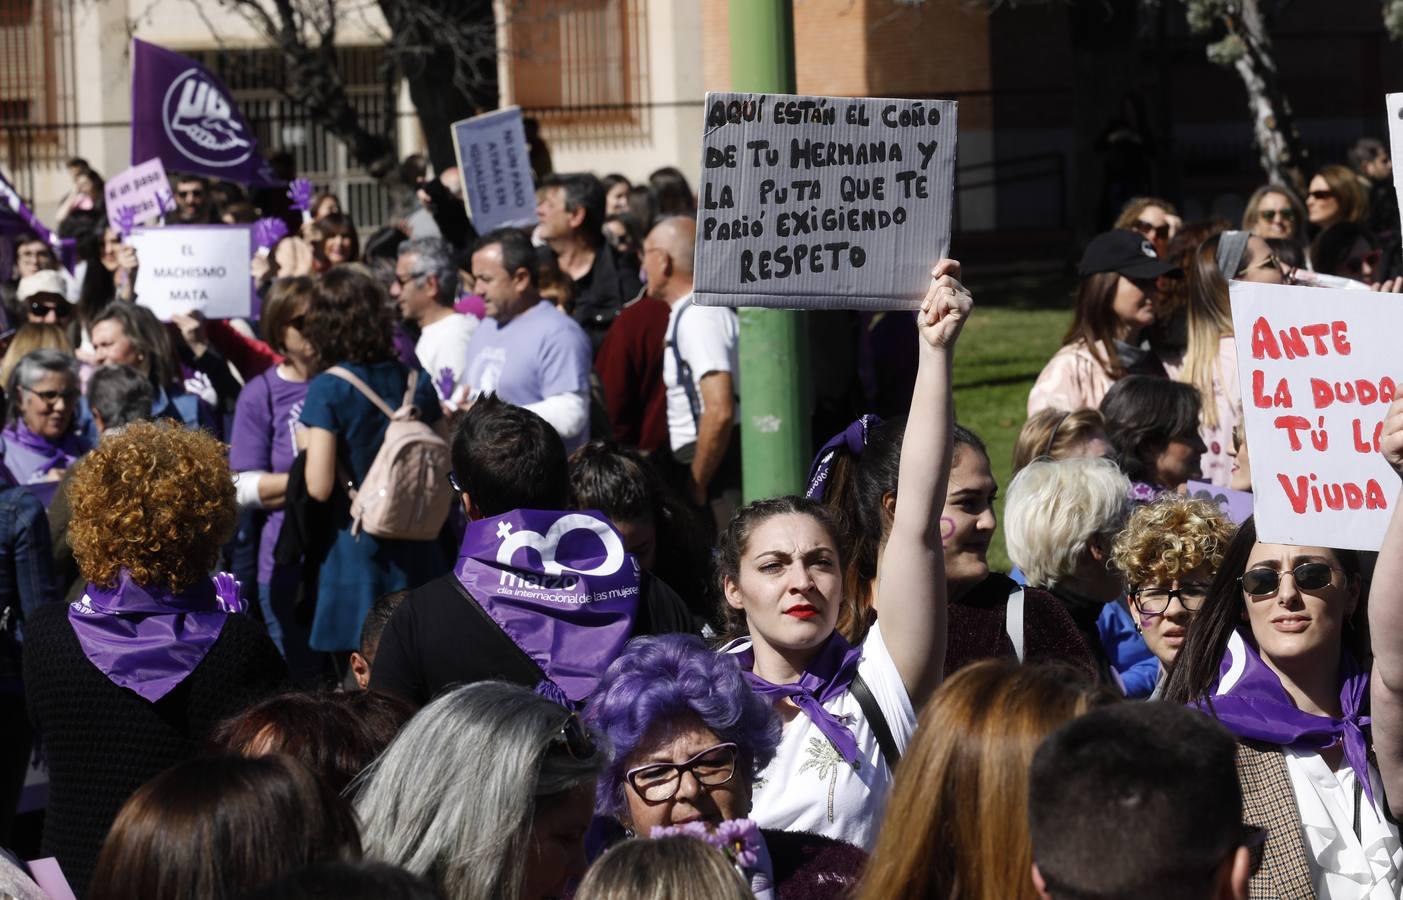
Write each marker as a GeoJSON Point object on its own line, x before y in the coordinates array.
{"type": "Point", "coordinates": [947, 529]}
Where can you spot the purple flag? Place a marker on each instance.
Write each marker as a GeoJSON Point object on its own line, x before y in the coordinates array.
{"type": "Point", "coordinates": [560, 585]}
{"type": "Point", "coordinates": [15, 216]}
{"type": "Point", "coordinates": [184, 116]}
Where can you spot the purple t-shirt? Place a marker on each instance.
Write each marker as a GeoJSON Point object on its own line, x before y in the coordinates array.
{"type": "Point", "coordinates": [264, 440]}
{"type": "Point", "coordinates": [539, 354]}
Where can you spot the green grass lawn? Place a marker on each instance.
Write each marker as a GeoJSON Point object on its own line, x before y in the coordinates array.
{"type": "Point", "coordinates": [1017, 325]}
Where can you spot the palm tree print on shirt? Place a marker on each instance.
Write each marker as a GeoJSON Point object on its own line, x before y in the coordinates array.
{"type": "Point", "coordinates": [823, 760]}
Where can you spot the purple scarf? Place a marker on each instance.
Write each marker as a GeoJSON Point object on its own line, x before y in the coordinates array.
{"type": "Point", "coordinates": [827, 676]}
{"type": "Point", "coordinates": [35, 455]}
{"type": "Point", "coordinates": [562, 588]}
{"type": "Point", "coordinates": [1248, 698]}
{"type": "Point", "coordinates": [853, 439]}
{"type": "Point", "coordinates": [148, 639]}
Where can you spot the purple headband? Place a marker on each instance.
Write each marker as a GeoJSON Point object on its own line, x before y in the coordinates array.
{"type": "Point", "coordinates": [853, 439]}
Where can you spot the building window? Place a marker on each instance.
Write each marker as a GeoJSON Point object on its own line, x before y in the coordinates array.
{"type": "Point", "coordinates": [579, 66]}
{"type": "Point", "coordinates": [37, 105]}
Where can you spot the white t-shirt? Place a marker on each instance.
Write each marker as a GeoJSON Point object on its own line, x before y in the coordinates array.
{"type": "Point", "coordinates": [808, 786]}
{"type": "Point", "coordinates": [709, 341]}
{"type": "Point", "coordinates": [443, 352]}
{"type": "Point", "coordinates": [1344, 865]}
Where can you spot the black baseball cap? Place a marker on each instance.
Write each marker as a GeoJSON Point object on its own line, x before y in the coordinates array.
{"type": "Point", "coordinates": [1126, 253]}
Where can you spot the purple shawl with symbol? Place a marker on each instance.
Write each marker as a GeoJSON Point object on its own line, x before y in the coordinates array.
{"type": "Point", "coordinates": [560, 585]}
{"type": "Point", "coordinates": [827, 676]}
{"type": "Point", "coordinates": [1249, 699]}
{"type": "Point", "coordinates": [148, 639]}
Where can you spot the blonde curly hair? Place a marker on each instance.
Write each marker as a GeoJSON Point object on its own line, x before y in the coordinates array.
{"type": "Point", "coordinates": [157, 500]}
{"type": "Point", "coordinates": [1171, 537]}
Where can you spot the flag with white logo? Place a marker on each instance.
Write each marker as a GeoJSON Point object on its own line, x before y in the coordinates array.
{"type": "Point", "coordinates": [184, 116]}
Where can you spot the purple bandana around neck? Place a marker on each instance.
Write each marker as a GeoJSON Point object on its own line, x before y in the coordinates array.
{"type": "Point", "coordinates": [148, 639]}
{"type": "Point", "coordinates": [37, 455]}
{"type": "Point", "coordinates": [827, 676]}
{"type": "Point", "coordinates": [853, 439]}
{"type": "Point", "coordinates": [1250, 700]}
{"type": "Point", "coordinates": [560, 585]}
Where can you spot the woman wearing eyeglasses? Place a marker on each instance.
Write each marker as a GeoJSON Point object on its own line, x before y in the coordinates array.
{"type": "Point", "coordinates": [1277, 654]}
{"type": "Point", "coordinates": [38, 442]}
{"type": "Point", "coordinates": [1274, 212]}
{"type": "Point", "coordinates": [487, 793]}
{"type": "Point", "coordinates": [689, 738]}
{"type": "Point", "coordinates": [1169, 551]}
{"type": "Point", "coordinates": [1156, 220]}
{"type": "Point", "coordinates": [1335, 195]}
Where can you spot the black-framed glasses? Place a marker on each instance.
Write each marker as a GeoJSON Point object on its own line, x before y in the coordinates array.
{"type": "Point", "coordinates": [658, 782]}
{"type": "Point", "coordinates": [1145, 228]}
{"type": "Point", "coordinates": [574, 738]}
{"type": "Point", "coordinates": [1155, 601]}
{"type": "Point", "coordinates": [61, 309]}
{"type": "Point", "coordinates": [51, 397]}
{"type": "Point", "coordinates": [1269, 215]}
{"type": "Point", "coordinates": [1311, 576]}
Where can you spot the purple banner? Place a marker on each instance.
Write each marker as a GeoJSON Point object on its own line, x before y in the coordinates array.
{"type": "Point", "coordinates": [186, 118]}
{"type": "Point", "coordinates": [15, 217]}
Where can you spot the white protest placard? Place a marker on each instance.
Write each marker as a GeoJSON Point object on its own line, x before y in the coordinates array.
{"type": "Point", "coordinates": [1319, 368]}
{"type": "Point", "coordinates": [823, 202]}
{"type": "Point", "coordinates": [194, 267]}
{"type": "Point", "coordinates": [495, 163]}
{"type": "Point", "coordinates": [139, 188]}
{"type": "Point", "coordinates": [1394, 104]}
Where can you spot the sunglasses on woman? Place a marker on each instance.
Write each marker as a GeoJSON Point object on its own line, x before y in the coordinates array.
{"type": "Point", "coordinates": [658, 782]}
{"type": "Point", "coordinates": [1269, 215]}
{"type": "Point", "coordinates": [1321, 195]}
{"type": "Point", "coordinates": [1145, 228]}
{"type": "Point", "coordinates": [1311, 576]}
{"type": "Point", "coordinates": [574, 738]}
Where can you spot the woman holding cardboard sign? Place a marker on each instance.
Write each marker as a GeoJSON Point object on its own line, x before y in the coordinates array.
{"type": "Point", "coordinates": [1115, 304]}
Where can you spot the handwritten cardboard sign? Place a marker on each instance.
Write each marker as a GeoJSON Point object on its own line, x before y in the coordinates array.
{"type": "Point", "coordinates": [1394, 104]}
{"type": "Point", "coordinates": [496, 167]}
{"type": "Point", "coordinates": [823, 202]}
{"type": "Point", "coordinates": [194, 267]}
{"type": "Point", "coordinates": [139, 188]}
{"type": "Point", "coordinates": [1318, 368]}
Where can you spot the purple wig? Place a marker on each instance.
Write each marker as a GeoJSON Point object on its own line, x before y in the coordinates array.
{"type": "Point", "coordinates": [669, 678]}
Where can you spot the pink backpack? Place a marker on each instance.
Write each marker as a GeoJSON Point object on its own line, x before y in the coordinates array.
{"type": "Point", "coordinates": [405, 495]}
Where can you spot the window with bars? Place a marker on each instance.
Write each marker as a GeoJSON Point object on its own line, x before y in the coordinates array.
{"type": "Point", "coordinates": [36, 79]}
{"type": "Point", "coordinates": [578, 65]}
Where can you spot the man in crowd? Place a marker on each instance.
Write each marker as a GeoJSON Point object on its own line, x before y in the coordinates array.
{"type": "Point", "coordinates": [526, 351]}
{"type": "Point", "coordinates": [570, 213]}
{"type": "Point", "coordinates": [630, 369]}
{"type": "Point", "coordinates": [426, 287]}
{"type": "Point", "coordinates": [504, 458]}
{"type": "Point", "coordinates": [700, 371]}
{"type": "Point", "coordinates": [1370, 159]}
{"type": "Point", "coordinates": [1106, 824]}
{"type": "Point", "coordinates": [194, 204]}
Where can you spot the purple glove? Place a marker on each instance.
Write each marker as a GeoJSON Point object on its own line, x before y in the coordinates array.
{"type": "Point", "coordinates": [300, 193]}
{"type": "Point", "coordinates": [126, 220]}
{"type": "Point", "coordinates": [267, 232]}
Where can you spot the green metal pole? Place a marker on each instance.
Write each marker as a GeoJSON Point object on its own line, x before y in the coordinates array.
{"type": "Point", "coordinates": [773, 343]}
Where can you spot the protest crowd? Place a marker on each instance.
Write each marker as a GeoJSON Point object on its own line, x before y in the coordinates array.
{"type": "Point", "coordinates": [431, 577]}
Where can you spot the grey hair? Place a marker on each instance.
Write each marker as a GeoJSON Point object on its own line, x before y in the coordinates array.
{"type": "Point", "coordinates": [454, 796]}
{"type": "Point", "coordinates": [119, 395]}
{"type": "Point", "coordinates": [1054, 507]}
{"type": "Point", "coordinates": [33, 366]}
{"type": "Point", "coordinates": [435, 257]}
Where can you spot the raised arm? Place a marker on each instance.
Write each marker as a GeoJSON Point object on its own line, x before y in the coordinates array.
{"type": "Point", "coordinates": [911, 573]}
{"type": "Point", "coordinates": [1386, 630]}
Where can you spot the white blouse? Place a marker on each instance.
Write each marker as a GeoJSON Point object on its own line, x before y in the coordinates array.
{"type": "Point", "coordinates": [1345, 865]}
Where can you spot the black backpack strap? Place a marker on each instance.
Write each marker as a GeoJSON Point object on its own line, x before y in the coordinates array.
{"type": "Point", "coordinates": [876, 721]}
{"type": "Point", "coordinates": [684, 370]}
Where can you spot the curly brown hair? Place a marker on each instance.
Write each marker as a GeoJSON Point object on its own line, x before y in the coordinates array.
{"type": "Point", "coordinates": [349, 319]}
{"type": "Point", "coordinates": [157, 500]}
{"type": "Point", "coordinates": [1169, 538]}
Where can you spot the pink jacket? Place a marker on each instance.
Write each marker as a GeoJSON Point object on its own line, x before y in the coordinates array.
{"type": "Point", "coordinates": [1073, 379]}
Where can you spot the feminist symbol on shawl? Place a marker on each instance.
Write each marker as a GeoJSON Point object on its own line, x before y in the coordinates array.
{"type": "Point", "coordinates": [547, 544]}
